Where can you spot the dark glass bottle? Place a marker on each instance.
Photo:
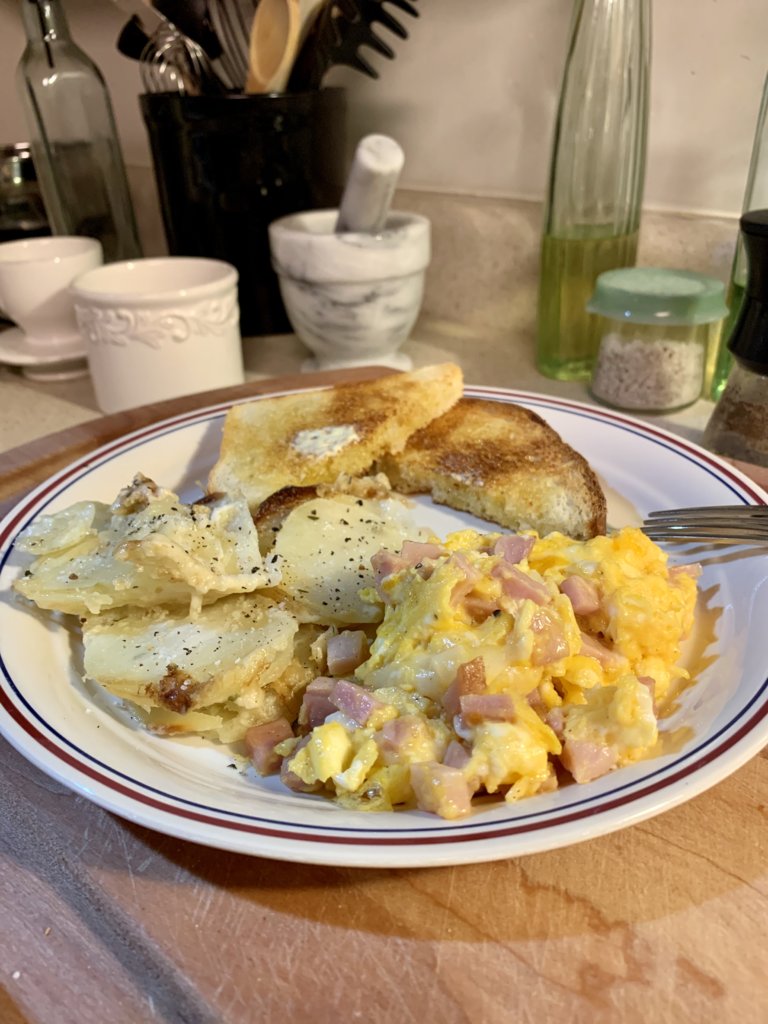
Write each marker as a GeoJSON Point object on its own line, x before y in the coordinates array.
{"type": "Point", "coordinates": [738, 426]}
{"type": "Point", "coordinates": [73, 136]}
{"type": "Point", "coordinates": [755, 198]}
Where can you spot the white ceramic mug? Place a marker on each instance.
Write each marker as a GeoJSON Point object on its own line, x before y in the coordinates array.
{"type": "Point", "coordinates": [159, 328]}
{"type": "Point", "coordinates": [35, 275]}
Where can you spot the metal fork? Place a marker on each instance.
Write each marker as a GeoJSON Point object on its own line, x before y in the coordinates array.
{"type": "Point", "coordinates": [716, 523]}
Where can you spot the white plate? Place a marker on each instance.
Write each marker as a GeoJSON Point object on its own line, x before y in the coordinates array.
{"type": "Point", "coordinates": [189, 789]}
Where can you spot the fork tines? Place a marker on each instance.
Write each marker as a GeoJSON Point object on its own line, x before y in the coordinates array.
{"type": "Point", "coordinates": [715, 523]}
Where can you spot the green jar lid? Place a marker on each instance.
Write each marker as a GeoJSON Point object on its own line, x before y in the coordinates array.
{"type": "Point", "coordinates": [652, 295]}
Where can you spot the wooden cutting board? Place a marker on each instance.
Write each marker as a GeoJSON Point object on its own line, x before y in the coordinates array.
{"type": "Point", "coordinates": [24, 467]}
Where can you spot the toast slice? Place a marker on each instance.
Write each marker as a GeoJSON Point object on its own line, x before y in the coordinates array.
{"type": "Point", "coordinates": [312, 437]}
{"type": "Point", "coordinates": [504, 464]}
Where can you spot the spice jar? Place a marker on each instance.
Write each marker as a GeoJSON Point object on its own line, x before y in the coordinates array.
{"type": "Point", "coordinates": [655, 329]}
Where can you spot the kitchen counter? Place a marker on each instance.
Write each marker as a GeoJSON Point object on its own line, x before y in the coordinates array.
{"type": "Point", "coordinates": [103, 920]}
{"type": "Point", "coordinates": [31, 409]}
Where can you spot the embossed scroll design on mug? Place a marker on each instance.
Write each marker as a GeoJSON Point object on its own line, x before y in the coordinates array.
{"type": "Point", "coordinates": [158, 327]}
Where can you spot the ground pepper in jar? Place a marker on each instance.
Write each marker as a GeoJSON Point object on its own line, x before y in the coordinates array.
{"type": "Point", "coordinates": [656, 329]}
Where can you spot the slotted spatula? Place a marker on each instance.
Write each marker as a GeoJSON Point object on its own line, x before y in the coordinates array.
{"type": "Point", "coordinates": [339, 31]}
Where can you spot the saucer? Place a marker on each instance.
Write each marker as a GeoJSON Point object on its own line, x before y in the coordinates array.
{"type": "Point", "coordinates": [63, 360]}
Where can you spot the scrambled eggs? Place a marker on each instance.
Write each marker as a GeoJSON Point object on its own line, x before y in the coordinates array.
{"type": "Point", "coordinates": [500, 661]}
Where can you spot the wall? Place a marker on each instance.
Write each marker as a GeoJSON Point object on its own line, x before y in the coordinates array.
{"type": "Point", "coordinates": [471, 95]}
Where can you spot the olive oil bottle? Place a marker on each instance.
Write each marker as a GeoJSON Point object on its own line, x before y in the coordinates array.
{"type": "Point", "coordinates": [570, 265]}
{"type": "Point", "coordinates": [596, 176]}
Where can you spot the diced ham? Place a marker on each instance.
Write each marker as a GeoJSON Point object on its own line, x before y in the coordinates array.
{"type": "Point", "coordinates": [315, 705]}
{"type": "Point", "coordinates": [354, 701]}
{"type": "Point", "coordinates": [470, 678]}
{"type": "Point", "coordinates": [549, 643]}
{"type": "Point", "coordinates": [414, 554]}
{"type": "Point", "coordinates": [592, 648]}
{"type": "Point", "coordinates": [586, 760]}
{"type": "Point", "coordinates": [440, 789]}
{"type": "Point", "coordinates": [518, 585]}
{"type": "Point", "coordinates": [583, 594]}
{"type": "Point", "coordinates": [470, 571]}
{"type": "Point", "coordinates": [346, 651]}
{"type": "Point", "coordinates": [463, 587]}
{"type": "Point", "coordinates": [456, 755]}
{"type": "Point", "coordinates": [387, 563]}
{"type": "Point", "coordinates": [416, 551]}
{"type": "Point", "coordinates": [260, 742]}
{"type": "Point", "coordinates": [395, 736]}
{"type": "Point", "coordinates": [555, 719]}
{"type": "Point", "coordinates": [536, 701]}
{"type": "Point", "coordinates": [484, 707]}
{"type": "Point", "coordinates": [291, 779]}
{"type": "Point", "coordinates": [513, 547]}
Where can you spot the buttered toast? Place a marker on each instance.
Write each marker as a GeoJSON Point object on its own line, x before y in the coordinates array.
{"type": "Point", "coordinates": [313, 437]}
{"type": "Point", "coordinates": [504, 464]}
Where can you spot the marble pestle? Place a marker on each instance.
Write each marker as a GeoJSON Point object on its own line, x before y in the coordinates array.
{"type": "Point", "coordinates": [370, 185]}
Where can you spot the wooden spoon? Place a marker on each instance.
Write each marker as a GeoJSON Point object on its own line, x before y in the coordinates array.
{"type": "Point", "coordinates": [278, 30]}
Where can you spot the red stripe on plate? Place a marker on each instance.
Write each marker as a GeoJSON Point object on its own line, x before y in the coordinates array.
{"type": "Point", "coordinates": [489, 832]}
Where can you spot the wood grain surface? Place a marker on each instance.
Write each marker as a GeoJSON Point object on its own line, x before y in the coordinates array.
{"type": "Point", "coordinates": [105, 921]}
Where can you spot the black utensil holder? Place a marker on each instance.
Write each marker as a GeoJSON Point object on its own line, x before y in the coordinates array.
{"type": "Point", "coordinates": [227, 166]}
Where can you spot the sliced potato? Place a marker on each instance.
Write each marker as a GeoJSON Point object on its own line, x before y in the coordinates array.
{"type": "Point", "coordinates": [324, 551]}
{"type": "Point", "coordinates": [147, 549]}
{"type": "Point", "coordinates": [233, 649]}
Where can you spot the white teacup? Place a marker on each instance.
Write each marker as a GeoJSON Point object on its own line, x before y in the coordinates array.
{"type": "Point", "coordinates": [159, 328]}
{"type": "Point", "coordinates": [35, 275]}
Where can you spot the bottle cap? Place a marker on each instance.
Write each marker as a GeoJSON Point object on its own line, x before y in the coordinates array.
{"type": "Point", "coordinates": [654, 295]}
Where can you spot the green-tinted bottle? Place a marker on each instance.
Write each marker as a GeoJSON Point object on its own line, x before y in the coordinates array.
{"type": "Point", "coordinates": [596, 178]}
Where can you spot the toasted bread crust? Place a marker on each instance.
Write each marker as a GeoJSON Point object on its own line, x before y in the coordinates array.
{"type": "Point", "coordinates": [502, 463]}
{"type": "Point", "coordinates": [270, 515]}
{"type": "Point", "coordinates": [311, 438]}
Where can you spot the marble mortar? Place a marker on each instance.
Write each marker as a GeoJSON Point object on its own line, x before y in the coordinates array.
{"type": "Point", "coordinates": [352, 298]}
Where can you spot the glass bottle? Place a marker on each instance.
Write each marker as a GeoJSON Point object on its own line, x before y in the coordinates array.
{"type": "Point", "coordinates": [73, 136]}
{"type": "Point", "coordinates": [596, 178]}
{"type": "Point", "coordinates": [755, 198]}
{"type": "Point", "coordinates": [738, 426]}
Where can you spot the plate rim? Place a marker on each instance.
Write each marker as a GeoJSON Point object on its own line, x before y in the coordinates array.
{"type": "Point", "coordinates": [441, 846]}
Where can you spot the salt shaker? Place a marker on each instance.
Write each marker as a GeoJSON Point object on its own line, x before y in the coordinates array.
{"type": "Point", "coordinates": [738, 427]}
{"type": "Point", "coordinates": [655, 328]}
